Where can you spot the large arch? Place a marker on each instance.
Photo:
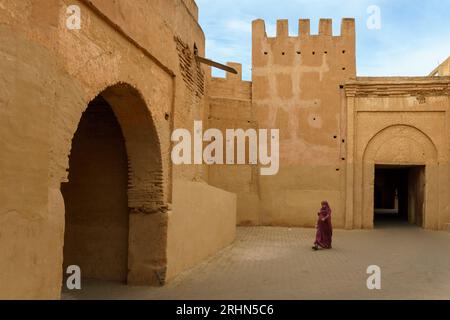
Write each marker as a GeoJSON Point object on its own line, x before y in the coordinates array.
{"type": "Point", "coordinates": [146, 200]}
{"type": "Point", "coordinates": [400, 145]}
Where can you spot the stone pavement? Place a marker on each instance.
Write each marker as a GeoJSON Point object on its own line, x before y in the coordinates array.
{"type": "Point", "coordinates": [278, 263]}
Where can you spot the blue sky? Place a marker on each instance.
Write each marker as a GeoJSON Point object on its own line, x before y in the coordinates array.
{"type": "Point", "coordinates": [414, 35]}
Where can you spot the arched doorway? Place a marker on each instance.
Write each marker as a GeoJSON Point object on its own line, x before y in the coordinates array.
{"type": "Point", "coordinates": [115, 205]}
{"type": "Point", "coordinates": [96, 229]}
{"type": "Point", "coordinates": [402, 161]}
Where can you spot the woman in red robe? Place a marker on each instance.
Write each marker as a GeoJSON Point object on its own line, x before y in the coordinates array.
{"type": "Point", "coordinates": [324, 228]}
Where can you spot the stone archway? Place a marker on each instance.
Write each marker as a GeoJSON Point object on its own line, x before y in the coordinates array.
{"type": "Point", "coordinates": [134, 222]}
{"type": "Point", "coordinates": [95, 197]}
{"type": "Point", "coordinates": [400, 145]}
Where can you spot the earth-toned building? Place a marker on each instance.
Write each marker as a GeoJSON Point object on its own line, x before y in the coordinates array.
{"type": "Point", "coordinates": [87, 114]}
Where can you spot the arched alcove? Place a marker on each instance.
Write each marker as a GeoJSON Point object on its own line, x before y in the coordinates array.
{"type": "Point", "coordinates": [115, 209]}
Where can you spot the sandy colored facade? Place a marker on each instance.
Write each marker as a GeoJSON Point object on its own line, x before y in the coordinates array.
{"type": "Point", "coordinates": [336, 131]}
{"type": "Point", "coordinates": [86, 118]}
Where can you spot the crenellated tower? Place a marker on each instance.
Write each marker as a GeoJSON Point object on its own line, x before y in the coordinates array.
{"type": "Point", "coordinates": [297, 87]}
{"type": "Point", "coordinates": [298, 84]}
{"type": "Point", "coordinates": [302, 75]}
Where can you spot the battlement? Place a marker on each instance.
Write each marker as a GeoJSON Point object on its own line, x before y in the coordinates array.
{"type": "Point", "coordinates": [304, 29]}
{"type": "Point", "coordinates": [232, 86]}
{"type": "Point", "coordinates": [336, 53]}
{"type": "Point", "coordinates": [230, 76]}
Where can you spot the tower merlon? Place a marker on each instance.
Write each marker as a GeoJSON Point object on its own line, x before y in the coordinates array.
{"type": "Point", "coordinates": [282, 28]}
{"type": "Point", "coordinates": [238, 68]}
{"type": "Point", "coordinates": [304, 27]}
{"type": "Point", "coordinates": [259, 29]}
{"type": "Point", "coordinates": [326, 27]}
{"type": "Point", "coordinates": [228, 75]}
{"type": "Point", "coordinates": [348, 27]}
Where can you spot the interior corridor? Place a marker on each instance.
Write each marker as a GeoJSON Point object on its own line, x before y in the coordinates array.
{"type": "Point", "coordinates": [399, 195]}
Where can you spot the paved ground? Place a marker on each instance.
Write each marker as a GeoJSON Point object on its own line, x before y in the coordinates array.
{"type": "Point", "coordinates": [278, 263]}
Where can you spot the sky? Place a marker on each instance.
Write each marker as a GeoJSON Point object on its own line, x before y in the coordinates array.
{"type": "Point", "coordinates": [412, 39]}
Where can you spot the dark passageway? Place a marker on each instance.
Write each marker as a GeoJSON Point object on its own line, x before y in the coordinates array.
{"type": "Point", "coordinates": [96, 235]}
{"type": "Point", "coordinates": [398, 195]}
